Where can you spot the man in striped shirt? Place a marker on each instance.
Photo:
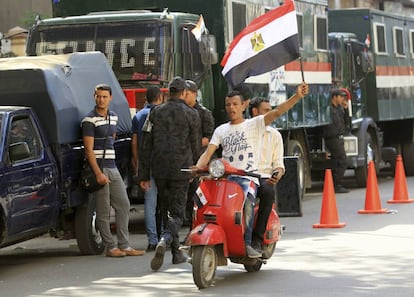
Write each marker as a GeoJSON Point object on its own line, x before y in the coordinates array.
{"type": "Point", "coordinates": [99, 131]}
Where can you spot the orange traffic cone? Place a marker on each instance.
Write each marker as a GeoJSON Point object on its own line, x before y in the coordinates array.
{"type": "Point", "coordinates": [372, 199]}
{"type": "Point", "coordinates": [329, 213]}
{"type": "Point", "coordinates": [400, 184]}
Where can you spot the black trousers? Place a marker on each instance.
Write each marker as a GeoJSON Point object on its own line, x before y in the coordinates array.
{"type": "Point", "coordinates": [192, 188]}
{"type": "Point", "coordinates": [172, 195]}
{"type": "Point", "coordinates": [338, 158]}
{"type": "Point", "coordinates": [266, 193]}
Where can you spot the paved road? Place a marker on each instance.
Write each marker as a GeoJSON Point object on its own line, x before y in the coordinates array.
{"type": "Point", "coordinates": [371, 256]}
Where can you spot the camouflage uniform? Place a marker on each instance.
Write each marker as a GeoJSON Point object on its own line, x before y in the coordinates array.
{"type": "Point", "coordinates": [207, 129]}
{"type": "Point", "coordinates": [171, 142]}
{"type": "Point", "coordinates": [207, 121]}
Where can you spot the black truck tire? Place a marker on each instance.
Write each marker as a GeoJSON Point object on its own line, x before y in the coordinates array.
{"type": "Point", "coordinates": [88, 236]}
{"type": "Point", "coordinates": [408, 158]}
{"type": "Point", "coordinates": [361, 173]}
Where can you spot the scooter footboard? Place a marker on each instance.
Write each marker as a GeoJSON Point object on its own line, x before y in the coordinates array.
{"type": "Point", "coordinates": [208, 234]}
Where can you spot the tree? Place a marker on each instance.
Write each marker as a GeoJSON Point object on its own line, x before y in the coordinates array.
{"type": "Point", "coordinates": [29, 18]}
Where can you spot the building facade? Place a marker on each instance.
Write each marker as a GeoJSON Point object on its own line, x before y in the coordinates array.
{"type": "Point", "coordinates": [403, 7]}
{"type": "Point", "coordinates": [13, 12]}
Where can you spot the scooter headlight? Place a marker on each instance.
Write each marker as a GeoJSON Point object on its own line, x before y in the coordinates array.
{"type": "Point", "coordinates": [216, 168]}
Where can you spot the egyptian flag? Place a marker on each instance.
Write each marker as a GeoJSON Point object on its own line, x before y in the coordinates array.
{"type": "Point", "coordinates": [267, 43]}
{"type": "Point", "coordinates": [199, 29]}
{"type": "Point", "coordinates": [200, 198]}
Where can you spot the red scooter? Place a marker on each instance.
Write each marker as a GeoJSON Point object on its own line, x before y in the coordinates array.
{"type": "Point", "coordinates": [218, 226]}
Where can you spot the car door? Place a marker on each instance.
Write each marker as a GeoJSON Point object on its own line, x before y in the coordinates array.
{"type": "Point", "coordinates": [31, 180]}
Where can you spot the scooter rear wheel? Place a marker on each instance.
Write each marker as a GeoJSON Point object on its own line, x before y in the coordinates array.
{"type": "Point", "coordinates": [204, 260]}
{"type": "Point", "coordinates": [254, 267]}
{"type": "Point", "coordinates": [269, 250]}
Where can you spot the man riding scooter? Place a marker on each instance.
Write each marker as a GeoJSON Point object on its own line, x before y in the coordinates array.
{"type": "Point", "coordinates": [271, 168]}
{"type": "Point", "coordinates": [239, 139]}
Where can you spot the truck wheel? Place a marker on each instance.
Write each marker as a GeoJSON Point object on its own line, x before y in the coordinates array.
{"type": "Point", "coordinates": [204, 262]}
{"type": "Point", "coordinates": [361, 175]}
{"type": "Point", "coordinates": [408, 158]}
{"type": "Point", "coordinates": [296, 149]}
{"type": "Point", "coordinates": [371, 153]}
{"type": "Point", "coordinates": [318, 175]}
{"type": "Point", "coordinates": [88, 236]}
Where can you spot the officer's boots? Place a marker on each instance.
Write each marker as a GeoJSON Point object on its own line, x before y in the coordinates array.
{"type": "Point", "coordinates": [178, 256]}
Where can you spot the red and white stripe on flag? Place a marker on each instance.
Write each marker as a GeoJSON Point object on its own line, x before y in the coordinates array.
{"type": "Point", "coordinates": [267, 43]}
{"type": "Point", "coordinates": [368, 41]}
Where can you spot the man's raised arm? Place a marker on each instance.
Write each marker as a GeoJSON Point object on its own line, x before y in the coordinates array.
{"type": "Point", "coordinates": [301, 91]}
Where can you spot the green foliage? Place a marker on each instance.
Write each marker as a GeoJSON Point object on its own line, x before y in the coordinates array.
{"type": "Point", "coordinates": [29, 17]}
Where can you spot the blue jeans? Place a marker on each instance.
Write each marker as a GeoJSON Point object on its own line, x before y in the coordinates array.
{"type": "Point", "coordinates": [150, 206]}
{"type": "Point", "coordinates": [250, 190]}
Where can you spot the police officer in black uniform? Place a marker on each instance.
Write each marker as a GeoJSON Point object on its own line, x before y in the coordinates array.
{"type": "Point", "coordinates": [207, 129]}
{"type": "Point", "coordinates": [334, 138]}
{"type": "Point", "coordinates": [171, 142]}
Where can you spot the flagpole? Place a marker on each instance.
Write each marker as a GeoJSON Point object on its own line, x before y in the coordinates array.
{"type": "Point", "coordinates": [301, 68]}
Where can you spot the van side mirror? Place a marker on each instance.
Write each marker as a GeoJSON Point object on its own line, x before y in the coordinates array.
{"type": "Point", "coordinates": [208, 49]}
{"type": "Point", "coordinates": [18, 151]}
{"type": "Point", "coordinates": [368, 64]}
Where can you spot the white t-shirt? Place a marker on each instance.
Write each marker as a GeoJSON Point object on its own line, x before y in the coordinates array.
{"type": "Point", "coordinates": [240, 142]}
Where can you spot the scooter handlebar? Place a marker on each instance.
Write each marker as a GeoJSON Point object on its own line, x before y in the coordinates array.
{"type": "Point", "coordinates": [229, 170]}
{"type": "Point", "coordinates": [194, 170]}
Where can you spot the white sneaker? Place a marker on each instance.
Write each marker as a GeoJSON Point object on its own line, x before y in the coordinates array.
{"type": "Point", "coordinates": [252, 253]}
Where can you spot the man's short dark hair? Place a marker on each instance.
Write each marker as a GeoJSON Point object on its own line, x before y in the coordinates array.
{"type": "Point", "coordinates": [152, 93]}
{"type": "Point", "coordinates": [255, 103]}
{"type": "Point", "coordinates": [235, 93]}
{"type": "Point", "coordinates": [244, 90]}
{"type": "Point", "coordinates": [338, 92]}
{"type": "Point", "coordinates": [103, 87]}
{"type": "Point", "coordinates": [190, 85]}
{"type": "Point", "coordinates": [176, 85]}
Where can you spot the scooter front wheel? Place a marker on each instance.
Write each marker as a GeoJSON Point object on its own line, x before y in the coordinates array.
{"type": "Point", "coordinates": [204, 262]}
